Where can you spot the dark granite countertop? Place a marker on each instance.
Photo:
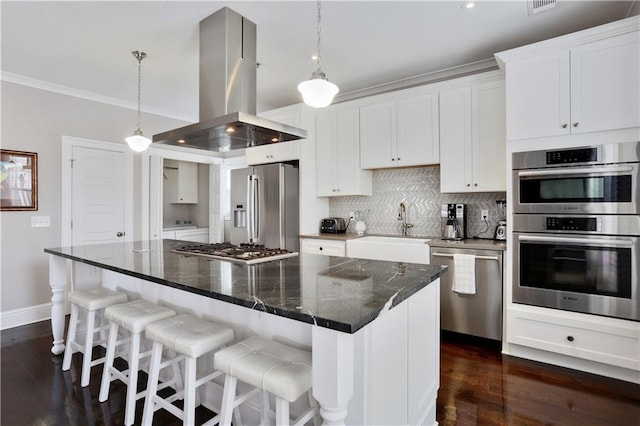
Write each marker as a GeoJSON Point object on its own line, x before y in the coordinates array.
{"type": "Point", "coordinates": [339, 293]}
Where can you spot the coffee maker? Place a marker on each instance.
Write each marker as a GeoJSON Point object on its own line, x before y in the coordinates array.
{"type": "Point", "coordinates": [501, 229]}
{"type": "Point", "coordinates": [453, 221]}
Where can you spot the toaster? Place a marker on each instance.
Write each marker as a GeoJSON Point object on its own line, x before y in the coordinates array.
{"type": "Point", "coordinates": [333, 225]}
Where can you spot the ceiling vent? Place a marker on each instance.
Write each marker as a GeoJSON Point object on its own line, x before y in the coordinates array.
{"type": "Point", "coordinates": [537, 6]}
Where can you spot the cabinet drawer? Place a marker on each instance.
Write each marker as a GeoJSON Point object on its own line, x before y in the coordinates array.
{"type": "Point", "coordinates": [598, 341]}
{"type": "Point", "coordinates": [326, 247]}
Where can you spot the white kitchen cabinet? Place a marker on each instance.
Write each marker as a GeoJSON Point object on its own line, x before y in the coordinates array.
{"type": "Point", "coordinates": [181, 178]}
{"type": "Point", "coordinates": [602, 340]}
{"type": "Point", "coordinates": [273, 153]}
{"type": "Point", "coordinates": [587, 88]}
{"type": "Point", "coordinates": [338, 171]}
{"type": "Point", "coordinates": [198, 235]}
{"type": "Point", "coordinates": [400, 133]}
{"type": "Point", "coordinates": [325, 247]}
{"type": "Point", "coordinates": [472, 138]}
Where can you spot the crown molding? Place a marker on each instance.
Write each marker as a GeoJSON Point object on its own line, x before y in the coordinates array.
{"type": "Point", "coordinates": [89, 96]}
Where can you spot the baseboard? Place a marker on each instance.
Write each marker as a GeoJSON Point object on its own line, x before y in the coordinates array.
{"type": "Point", "coordinates": [24, 316]}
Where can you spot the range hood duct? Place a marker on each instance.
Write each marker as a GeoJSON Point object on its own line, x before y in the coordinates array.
{"type": "Point", "coordinates": [228, 91]}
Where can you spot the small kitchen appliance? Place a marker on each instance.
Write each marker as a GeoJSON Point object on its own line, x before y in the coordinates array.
{"type": "Point", "coordinates": [501, 229]}
{"type": "Point", "coordinates": [453, 221]}
{"type": "Point", "coordinates": [333, 225]}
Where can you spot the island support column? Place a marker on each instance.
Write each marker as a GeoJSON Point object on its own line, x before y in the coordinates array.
{"type": "Point", "coordinates": [332, 373]}
{"type": "Point", "coordinates": [58, 283]}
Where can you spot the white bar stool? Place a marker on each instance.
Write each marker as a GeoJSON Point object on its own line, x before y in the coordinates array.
{"type": "Point", "coordinates": [190, 338]}
{"type": "Point", "coordinates": [272, 367]}
{"type": "Point", "coordinates": [134, 317]}
{"type": "Point", "coordinates": [92, 301]}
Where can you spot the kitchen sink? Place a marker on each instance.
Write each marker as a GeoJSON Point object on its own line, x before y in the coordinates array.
{"type": "Point", "coordinates": [395, 249]}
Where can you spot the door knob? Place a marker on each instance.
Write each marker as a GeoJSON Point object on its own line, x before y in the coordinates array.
{"type": "Point", "coordinates": [120, 234]}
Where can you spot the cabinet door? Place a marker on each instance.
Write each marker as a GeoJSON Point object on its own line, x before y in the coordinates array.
{"type": "Point", "coordinates": [326, 159]}
{"type": "Point", "coordinates": [538, 96]}
{"type": "Point", "coordinates": [488, 137]}
{"type": "Point", "coordinates": [182, 182]}
{"type": "Point", "coordinates": [605, 84]}
{"type": "Point", "coordinates": [455, 140]}
{"type": "Point", "coordinates": [378, 136]}
{"type": "Point", "coordinates": [418, 131]}
{"type": "Point", "coordinates": [273, 153]}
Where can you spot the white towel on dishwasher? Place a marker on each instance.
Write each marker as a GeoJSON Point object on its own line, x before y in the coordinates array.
{"type": "Point", "coordinates": [464, 273]}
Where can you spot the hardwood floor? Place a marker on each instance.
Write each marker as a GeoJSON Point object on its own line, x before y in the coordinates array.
{"type": "Point", "coordinates": [479, 386]}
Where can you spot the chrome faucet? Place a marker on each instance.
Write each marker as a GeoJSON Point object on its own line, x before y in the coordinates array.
{"type": "Point", "coordinates": [402, 215]}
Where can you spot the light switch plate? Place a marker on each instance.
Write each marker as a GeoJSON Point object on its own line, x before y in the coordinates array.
{"type": "Point", "coordinates": [40, 221]}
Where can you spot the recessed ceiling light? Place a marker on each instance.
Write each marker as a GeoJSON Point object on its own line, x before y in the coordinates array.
{"type": "Point", "coordinates": [468, 5]}
{"type": "Point", "coordinates": [230, 130]}
{"type": "Point", "coordinates": [181, 141]}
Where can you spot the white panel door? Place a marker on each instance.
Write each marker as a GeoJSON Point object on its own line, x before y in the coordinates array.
{"type": "Point", "coordinates": [98, 196]}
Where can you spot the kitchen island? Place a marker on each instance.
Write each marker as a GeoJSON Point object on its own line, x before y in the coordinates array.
{"type": "Point", "coordinates": [372, 326]}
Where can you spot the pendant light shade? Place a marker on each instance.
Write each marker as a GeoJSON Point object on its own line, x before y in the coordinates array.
{"type": "Point", "coordinates": [318, 91]}
{"type": "Point", "coordinates": [138, 142]}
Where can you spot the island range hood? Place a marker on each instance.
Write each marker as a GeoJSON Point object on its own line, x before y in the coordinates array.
{"type": "Point", "coordinates": [228, 91]}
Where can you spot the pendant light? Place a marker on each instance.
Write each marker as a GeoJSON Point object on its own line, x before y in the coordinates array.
{"type": "Point", "coordinates": [318, 92]}
{"type": "Point", "coordinates": [138, 142]}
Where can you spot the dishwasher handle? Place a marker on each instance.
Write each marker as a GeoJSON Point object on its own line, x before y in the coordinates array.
{"type": "Point", "coordinates": [477, 257]}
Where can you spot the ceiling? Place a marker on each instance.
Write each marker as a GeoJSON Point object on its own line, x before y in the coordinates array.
{"type": "Point", "coordinates": [86, 46]}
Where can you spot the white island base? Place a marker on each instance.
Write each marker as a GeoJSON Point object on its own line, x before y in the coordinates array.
{"type": "Point", "coordinates": [386, 373]}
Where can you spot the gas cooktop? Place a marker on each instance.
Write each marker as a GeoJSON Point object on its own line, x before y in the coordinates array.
{"type": "Point", "coordinates": [244, 253]}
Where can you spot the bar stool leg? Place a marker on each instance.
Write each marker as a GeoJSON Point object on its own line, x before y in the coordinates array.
{"type": "Point", "coordinates": [88, 349]}
{"type": "Point", "coordinates": [189, 390]}
{"type": "Point", "coordinates": [71, 337]}
{"type": "Point", "coordinates": [132, 388]}
{"type": "Point", "coordinates": [282, 411]}
{"type": "Point", "coordinates": [154, 373]}
{"type": "Point", "coordinates": [228, 397]}
{"type": "Point", "coordinates": [264, 408]}
{"type": "Point", "coordinates": [108, 362]}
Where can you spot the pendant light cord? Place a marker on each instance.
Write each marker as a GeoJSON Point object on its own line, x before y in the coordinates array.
{"type": "Point", "coordinates": [139, 56]}
{"type": "Point", "coordinates": [319, 28]}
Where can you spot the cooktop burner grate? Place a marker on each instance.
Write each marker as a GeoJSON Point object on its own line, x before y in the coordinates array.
{"type": "Point", "coordinates": [244, 253]}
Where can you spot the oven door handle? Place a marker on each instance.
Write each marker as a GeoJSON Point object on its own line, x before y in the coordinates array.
{"type": "Point", "coordinates": [576, 171]}
{"type": "Point", "coordinates": [601, 241]}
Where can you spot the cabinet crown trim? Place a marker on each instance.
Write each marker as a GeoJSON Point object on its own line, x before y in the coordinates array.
{"type": "Point", "coordinates": [567, 41]}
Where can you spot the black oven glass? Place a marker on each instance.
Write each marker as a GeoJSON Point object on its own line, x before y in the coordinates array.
{"type": "Point", "coordinates": [587, 189]}
{"type": "Point", "coordinates": [585, 269]}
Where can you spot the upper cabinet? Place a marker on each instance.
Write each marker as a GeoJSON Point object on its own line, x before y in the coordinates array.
{"type": "Point", "coordinates": [282, 151]}
{"type": "Point", "coordinates": [579, 84]}
{"type": "Point", "coordinates": [472, 138]}
{"type": "Point", "coordinates": [400, 133]}
{"type": "Point", "coordinates": [181, 178]}
{"type": "Point", "coordinates": [338, 153]}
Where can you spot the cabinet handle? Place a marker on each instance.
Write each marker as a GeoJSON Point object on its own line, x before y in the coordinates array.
{"type": "Point", "coordinates": [570, 338]}
{"type": "Point", "coordinates": [564, 126]}
{"type": "Point", "coordinates": [320, 248]}
{"type": "Point", "coordinates": [575, 124]}
{"type": "Point", "coordinates": [398, 158]}
{"type": "Point", "coordinates": [475, 184]}
{"type": "Point", "coordinates": [393, 159]}
{"type": "Point", "coordinates": [120, 234]}
{"type": "Point", "coordinates": [468, 184]}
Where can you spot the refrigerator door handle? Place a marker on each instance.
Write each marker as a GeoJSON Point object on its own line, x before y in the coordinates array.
{"type": "Point", "coordinates": [250, 208]}
{"type": "Point", "coordinates": [256, 209]}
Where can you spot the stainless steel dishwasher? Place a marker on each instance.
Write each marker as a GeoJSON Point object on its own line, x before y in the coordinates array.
{"type": "Point", "coordinates": [478, 314]}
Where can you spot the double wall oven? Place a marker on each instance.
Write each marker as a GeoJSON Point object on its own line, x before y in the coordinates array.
{"type": "Point", "coordinates": [576, 229]}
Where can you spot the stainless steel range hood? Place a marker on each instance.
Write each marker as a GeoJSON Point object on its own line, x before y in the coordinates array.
{"type": "Point", "coordinates": [228, 91]}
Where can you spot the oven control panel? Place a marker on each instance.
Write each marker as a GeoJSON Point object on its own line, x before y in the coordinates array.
{"type": "Point", "coordinates": [592, 224]}
{"type": "Point", "coordinates": [571, 156]}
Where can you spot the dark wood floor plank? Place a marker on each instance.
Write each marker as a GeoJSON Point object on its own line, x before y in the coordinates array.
{"type": "Point", "coordinates": [479, 386]}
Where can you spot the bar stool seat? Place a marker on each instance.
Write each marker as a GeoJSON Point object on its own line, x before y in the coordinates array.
{"type": "Point", "coordinates": [190, 337]}
{"type": "Point", "coordinates": [272, 367]}
{"type": "Point", "coordinates": [92, 301]}
{"type": "Point", "coordinates": [133, 317]}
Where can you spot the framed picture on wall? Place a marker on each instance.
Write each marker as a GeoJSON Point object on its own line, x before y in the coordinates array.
{"type": "Point", "coordinates": [18, 180]}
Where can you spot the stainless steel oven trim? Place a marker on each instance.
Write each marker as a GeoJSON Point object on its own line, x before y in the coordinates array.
{"type": "Point", "coordinates": [616, 153]}
{"type": "Point", "coordinates": [607, 224]}
{"type": "Point", "coordinates": [579, 302]}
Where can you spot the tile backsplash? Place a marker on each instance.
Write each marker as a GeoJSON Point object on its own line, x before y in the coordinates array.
{"type": "Point", "coordinates": [419, 189]}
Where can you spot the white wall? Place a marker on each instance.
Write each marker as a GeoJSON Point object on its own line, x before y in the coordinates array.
{"type": "Point", "coordinates": [35, 120]}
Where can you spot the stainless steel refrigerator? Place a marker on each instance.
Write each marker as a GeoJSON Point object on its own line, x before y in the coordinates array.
{"type": "Point", "coordinates": [264, 202]}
